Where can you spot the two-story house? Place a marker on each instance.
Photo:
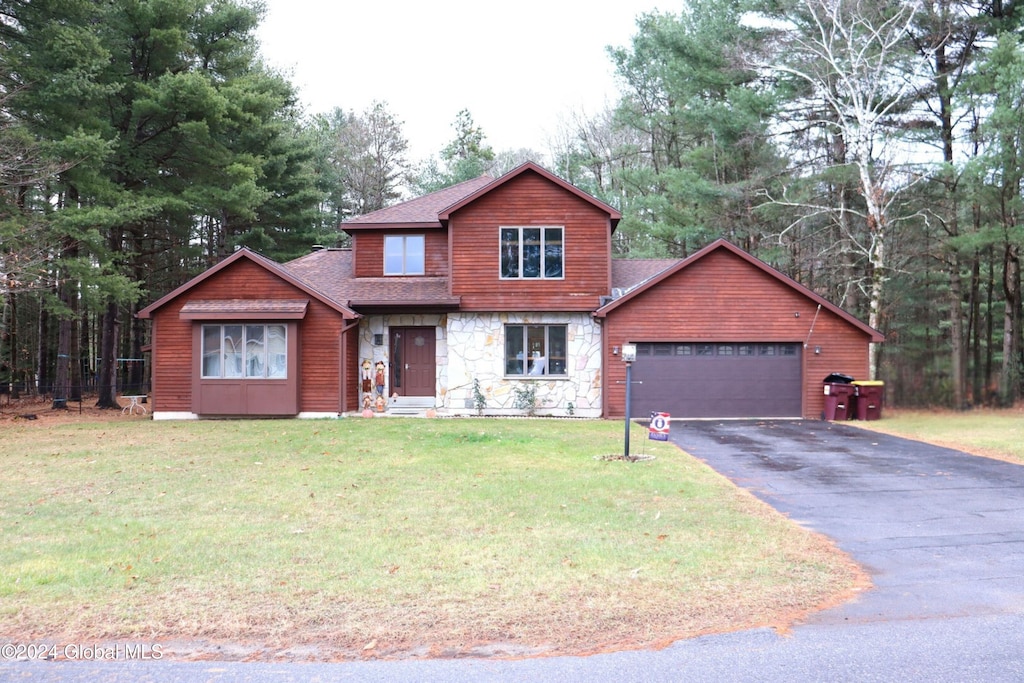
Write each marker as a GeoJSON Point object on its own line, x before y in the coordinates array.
{"type": "Point", "coordinates": [486, 293]}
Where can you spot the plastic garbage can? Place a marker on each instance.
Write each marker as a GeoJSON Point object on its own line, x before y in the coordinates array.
{"type": "Point", "coordinates": [870, 397]}
{"type": "Point", "coordinates": [840, 396]}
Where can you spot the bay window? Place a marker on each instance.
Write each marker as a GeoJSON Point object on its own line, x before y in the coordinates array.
{"type": "Point", "coordinates": [245, 351]}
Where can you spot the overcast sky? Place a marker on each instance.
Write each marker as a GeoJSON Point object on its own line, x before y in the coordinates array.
{"type": "Point", "coordinates": [520, 69]}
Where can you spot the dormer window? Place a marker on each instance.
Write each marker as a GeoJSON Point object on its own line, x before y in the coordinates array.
{"type": "Point", "coordinates": [531, 252]}
{"type": "Point", "coordinates": [404, 254]}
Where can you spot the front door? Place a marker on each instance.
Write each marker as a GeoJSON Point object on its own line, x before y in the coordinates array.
{"type": "Point", "coordinates": [413, 364]}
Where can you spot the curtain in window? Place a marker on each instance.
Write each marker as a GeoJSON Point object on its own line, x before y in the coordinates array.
{"type": "Point", "coordinates": [211, 350]}
{"type": "Point", "coordinates": [254, 350]}
{"type": "Point", "coordinates": [251, 351]}
{"type": "Point", "coordinates": [233, 351]}
{"type": "Point", "coordinates": [277, 352]}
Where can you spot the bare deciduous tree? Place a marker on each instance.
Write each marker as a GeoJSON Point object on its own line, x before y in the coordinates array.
{"type": "Point", "coordinates": [852, 61]}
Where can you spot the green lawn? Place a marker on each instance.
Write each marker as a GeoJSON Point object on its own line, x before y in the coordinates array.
{"type": "Point", "coordinates": [991, 433]}
{"type": "Point", "coordinates": [381, 536]}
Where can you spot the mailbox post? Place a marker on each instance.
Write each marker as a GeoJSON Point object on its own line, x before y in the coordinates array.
{"type": "Point", "coordinates": [628, 356]}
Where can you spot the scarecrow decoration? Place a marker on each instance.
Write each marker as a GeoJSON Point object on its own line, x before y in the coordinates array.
{"type": "Point", "coordinates": [367, 366]}
{"type": "Point", "coordinates": [366, 385]}
{"type": "Point", "coordinates": [379, 378]}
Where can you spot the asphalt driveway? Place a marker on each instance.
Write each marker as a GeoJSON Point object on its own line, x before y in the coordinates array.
{"type": "Point", "coordinates": [940, 532]}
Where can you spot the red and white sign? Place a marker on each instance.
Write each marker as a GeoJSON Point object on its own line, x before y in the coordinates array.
{"type": "Point", "coordinates": [658, 429]}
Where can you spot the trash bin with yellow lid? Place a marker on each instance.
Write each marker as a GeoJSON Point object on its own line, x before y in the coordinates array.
{"type": "Point", "coordinates": [870, 397]}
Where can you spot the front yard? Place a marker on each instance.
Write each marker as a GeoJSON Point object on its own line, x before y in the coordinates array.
{"type": "Point", "coordinates": [386, 538]}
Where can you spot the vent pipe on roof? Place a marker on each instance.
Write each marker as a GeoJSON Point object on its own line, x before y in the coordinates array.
{"type": "Point", "coordinates": [317, 247]}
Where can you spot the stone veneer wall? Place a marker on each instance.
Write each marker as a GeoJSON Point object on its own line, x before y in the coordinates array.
{"type": "Point", "coordinates": [472, 346]}
{"type": "Point", "coordinates": [476, 348]}
{"type": "Point", "coordinates": [380, 324]}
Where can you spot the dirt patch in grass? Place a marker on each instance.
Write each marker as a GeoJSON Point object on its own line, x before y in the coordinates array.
{"type": "Point", "coordinates": [38, 411]}
{"type": "Point", "coordinates": [583, 624]}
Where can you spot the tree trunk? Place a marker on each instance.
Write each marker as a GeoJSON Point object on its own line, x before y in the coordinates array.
{"type": "Point", "coordinates": [990, 325]}
{"type": "Point", "coordinates": [1009, 376]}
{"type": "Point", "coordinates": [136, 370]}
{"type": "Point", "coordinates": [957, 350]}
{"type": "Point", "coordinates": [5, 365]}
{"type": "Point", "coordinates": [62, 378]}
{"type": "Point", "coordinates": [108, 359]}
{"type": "Point", "coordinates": [15, 372]}
{"type": "Point", "coordinates": [974, 332]}
{"type": "Point", "coordinates": [877, 263]}
{"type": "Point", "coordinates": [75, 355]}
{"type": "Point", "coordinates": [958, 340]}
{"type": "Point", "coordinates": [85, 354]}
{"type": "Point", "coordinates": [43, 380]}
{"type": "Point", "coordinates": [66, 359]}
{"type": "Point", "coordinates": [65, 332]}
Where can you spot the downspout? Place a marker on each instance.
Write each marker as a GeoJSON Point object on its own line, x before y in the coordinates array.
{"type": "Point", "coordinates": [342, 370]}
{"type": "Point", "coordinates": [804, 361]}
{"type": "Point", "coordinates": [604, 365]}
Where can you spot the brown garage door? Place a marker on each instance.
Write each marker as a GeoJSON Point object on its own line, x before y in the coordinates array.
{"type": "Point", "coordinates": [717, 380]}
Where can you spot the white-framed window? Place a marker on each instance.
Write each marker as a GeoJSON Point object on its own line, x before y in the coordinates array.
{"type": "Point", "coordinates": [535, 350]}
{"type": "Point", "coordinates": [531, 252]}
{"type": "Point", "coordinates": [404, 254]}
{"type": "Point", "coordinates": [245, 351]}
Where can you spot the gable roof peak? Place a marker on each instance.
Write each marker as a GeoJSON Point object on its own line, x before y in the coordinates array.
{"type": "Point", "coordinates": [267, 264]}
{"type": "Point", "coordinates": [532, 167]}
{"type": "Point", "coordinates": [725, 245]}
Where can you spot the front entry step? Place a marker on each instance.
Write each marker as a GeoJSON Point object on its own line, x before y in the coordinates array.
{"type": "Point", "coordinates": [409, 405]}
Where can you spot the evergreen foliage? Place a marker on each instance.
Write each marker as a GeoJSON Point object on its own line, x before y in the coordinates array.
{"type": "Point", "coordinates": [872, 150]}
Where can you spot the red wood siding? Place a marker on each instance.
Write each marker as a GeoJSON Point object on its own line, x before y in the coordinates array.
{"type": "Point", "coordinates": [368, 251]}
{"type": "Point", "coordinates": [723, 298]}
{"type": "Point", "coordinates": [317, 343]}
{"type": "Point", "coordinates": [352, 393]}
{"type": "Point", "coordinates": [526, 200]}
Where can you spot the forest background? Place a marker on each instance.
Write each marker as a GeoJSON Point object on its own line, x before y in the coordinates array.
{"type": "Point", "coordinates": [872, 150]}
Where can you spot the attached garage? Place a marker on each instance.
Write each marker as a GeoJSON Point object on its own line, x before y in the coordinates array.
{"type": "Point", "coordinates": [747, 379]}
{"type": "Point", "coordinates": [722, 334]}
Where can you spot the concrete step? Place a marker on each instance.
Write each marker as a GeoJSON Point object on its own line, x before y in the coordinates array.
{"type": "Point", "coordinates": [410, 405]}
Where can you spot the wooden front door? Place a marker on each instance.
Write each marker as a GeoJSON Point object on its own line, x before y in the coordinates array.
{"type": "Point", "coordinates": [413, 364]}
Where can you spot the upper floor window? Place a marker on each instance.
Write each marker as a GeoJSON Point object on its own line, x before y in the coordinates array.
{"type": "Point", "coordinates": [531, 252]}
{"type": "Point", "coordinates": [404, 254]}
{"type": "Point", "coordinates": [245, 351]}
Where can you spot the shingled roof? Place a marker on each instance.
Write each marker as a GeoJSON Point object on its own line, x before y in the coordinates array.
{"type": "Point", "coordinates": [331, 271]}
{"type": "Point", "coordinates": [628, 273]}
{"type": "Point", "coordinates": [420, 212]}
